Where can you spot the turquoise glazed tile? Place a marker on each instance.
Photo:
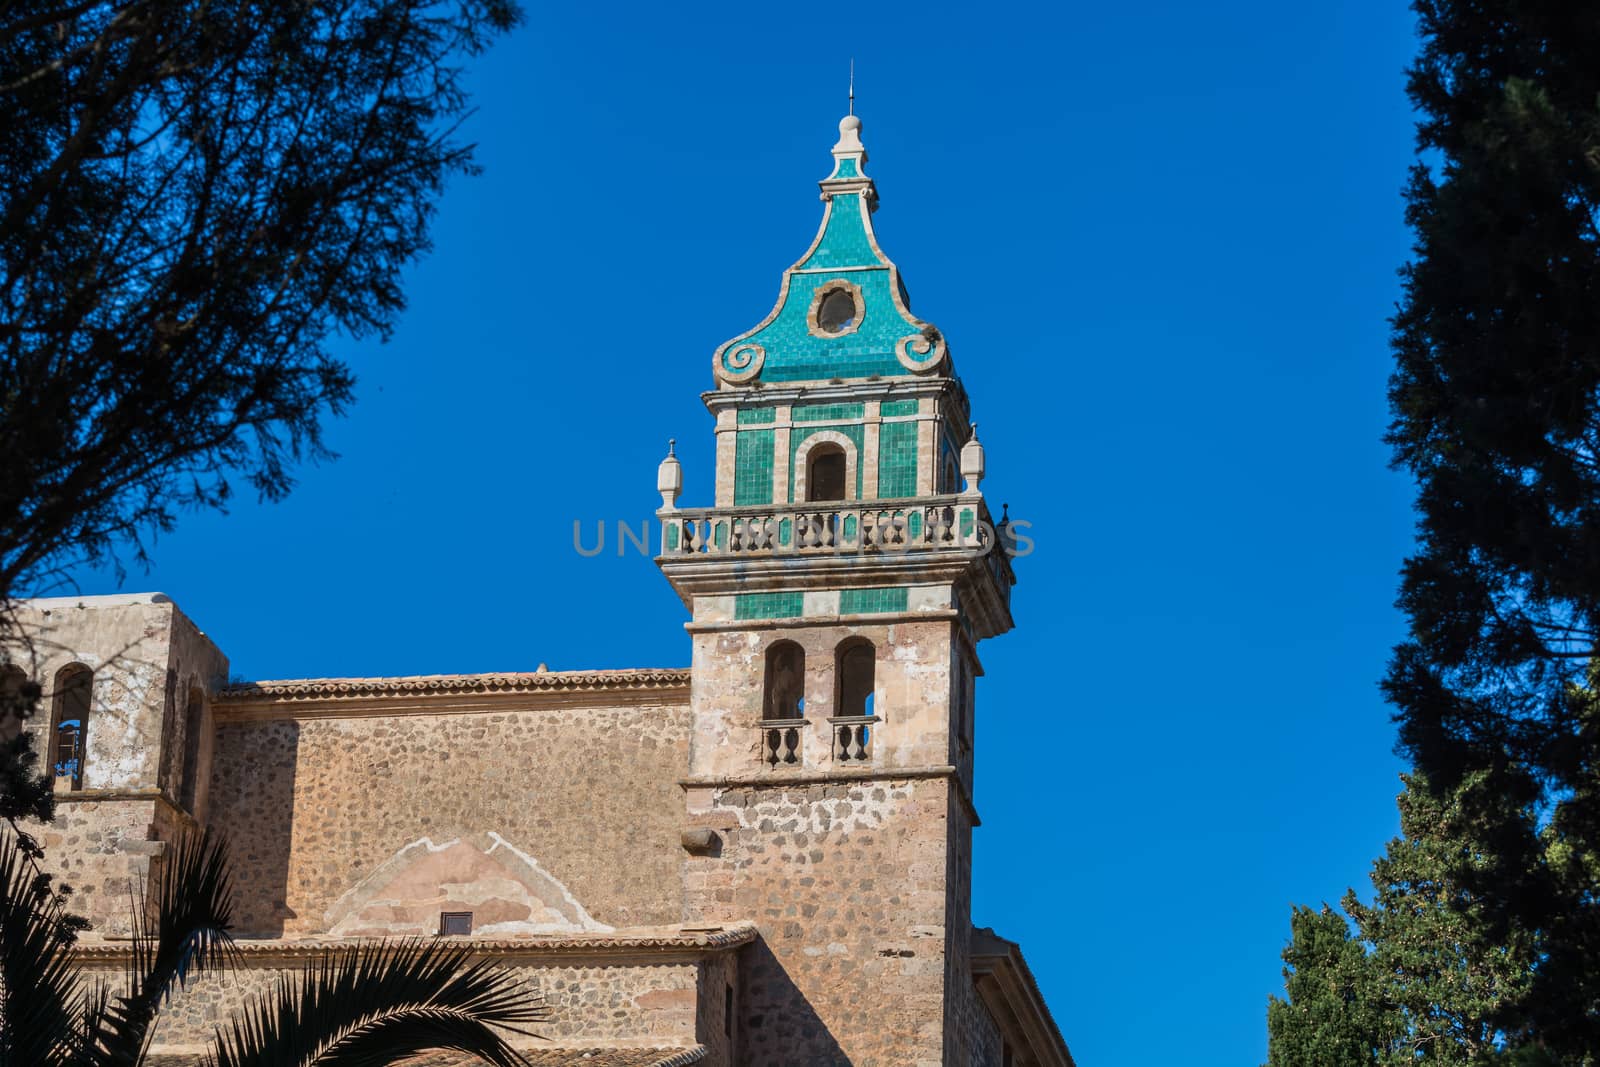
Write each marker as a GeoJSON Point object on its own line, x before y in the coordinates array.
{"type": "Point", "coordinates": [752, 467]}
{"type": "Point", "coordinates": [844, 238]}
{"type": "Point", "coordinates": [897, 459]}
{"type": "Point", "coordinates": [768, 605]}
{"type": "Point", "coordinates": [828, 412]}
{"type": "Point", "coordinates": [843, 252]}
{"type": "Point", "coordinates": [872, 601]}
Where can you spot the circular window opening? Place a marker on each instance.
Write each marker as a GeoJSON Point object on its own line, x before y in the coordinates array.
{"type": "Point", "coordinates": [837, 312]}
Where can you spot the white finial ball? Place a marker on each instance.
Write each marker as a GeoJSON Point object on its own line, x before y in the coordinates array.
{"type": "Point", "coordinates": [850, 122]}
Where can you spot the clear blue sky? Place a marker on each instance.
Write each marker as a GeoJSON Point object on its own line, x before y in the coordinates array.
{"type": "Point", "coordinates": [1162, 241]}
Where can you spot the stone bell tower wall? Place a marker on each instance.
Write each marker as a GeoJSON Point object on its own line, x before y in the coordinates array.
{"type": "Point", "coordinates": [542, 803]}
{"type": "Point", "coordinates": [912, 688]}
{"type": "Point", "coordinates": [848, 866]}
{"type": "Point", "coordinates": [848, 880]}
{"type": "Point", "coordinates": [143, 659]}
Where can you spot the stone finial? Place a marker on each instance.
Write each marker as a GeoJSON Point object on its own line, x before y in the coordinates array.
{"type": "Point", "coordinates": [669, 477]}
{"type": "Point", "coordinates": [849, 137]}
{"type": "Point", "coordinates": [849, 165]}
{"type": "Point", "coordinates": [972, 463]}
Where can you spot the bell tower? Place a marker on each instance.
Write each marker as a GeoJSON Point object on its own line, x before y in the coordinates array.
{"type": "Point", "coordinates": [838, 589]}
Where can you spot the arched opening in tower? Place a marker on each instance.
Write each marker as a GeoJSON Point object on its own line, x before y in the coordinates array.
{"type": "Point", "coordinates": [785, 682]}
{"type": "Point", "coordinates": [825, 478]}
{"type": "Point", "coordinates": [855, 668]}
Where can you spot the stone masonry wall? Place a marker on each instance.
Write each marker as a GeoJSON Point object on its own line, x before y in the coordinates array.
{"type": "Point", "coordinates": [591, 1004]}
{"type": "Point", "coordinates": [715, 1028]}
{"type": "Point", "coordinates": [846, 881]}
{"type": "Point", "coordinates": [983, 1039]}
{"type": "Point", "coordinates": [967, 1024]}
{"type": "Point", "coordinates": [103, 849]}
{"type": "Point", "coordinates": [584, 798]}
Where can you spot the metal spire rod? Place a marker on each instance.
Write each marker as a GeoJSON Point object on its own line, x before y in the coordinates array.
{"type": "Point", "coordinates": [852, 85]}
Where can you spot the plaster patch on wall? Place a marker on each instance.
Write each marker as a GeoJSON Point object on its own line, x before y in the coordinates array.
{"type": "Point", "coordinates": [587, 922]}
{"type": "Point", "coordinates": [505, 889]}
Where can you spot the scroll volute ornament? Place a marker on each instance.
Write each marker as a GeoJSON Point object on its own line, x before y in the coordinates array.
{"type": "Point", "coordinates": [923, 352]}
{"type": "Point", "coordinates": [739, 363]}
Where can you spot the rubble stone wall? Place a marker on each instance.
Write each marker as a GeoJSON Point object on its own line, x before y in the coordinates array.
{"type": "Point", "coordinates": [847, 883]}
{"type": "Point", "coordinates": [585, 797]}
{"type": "Point", "coordinates": [590, 1004]}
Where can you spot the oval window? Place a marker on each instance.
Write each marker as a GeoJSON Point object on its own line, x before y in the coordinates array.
{"type": "Point", "coordinates": [837, 312]}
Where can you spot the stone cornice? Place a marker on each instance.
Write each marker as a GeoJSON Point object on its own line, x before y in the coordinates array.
{"type": "Point", "coordinates": [813, 621]}
{"type": "Point", "coordinates": [101, 796]}
{"type": "Point", "coordinates": [1012, 997]}
{"type": "Point", "coordinates": [644, 944]}
{"type": "Point", "coordinates": [831, 391]}
{"type": "Point", "coordinates": [786, 778]}
{"type": "Point", "coordinates": [983, 593]}
{"type": "Point", "coordinates": [448, 692]}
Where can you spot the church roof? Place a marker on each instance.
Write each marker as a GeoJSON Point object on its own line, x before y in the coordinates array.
{"type": "Point", "coordinates": [321, 689]}
{"type": "Point", "coordinates": [798, 341]}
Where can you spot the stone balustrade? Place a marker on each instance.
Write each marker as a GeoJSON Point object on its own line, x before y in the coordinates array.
{"type": "Point", "coordinates": [780, 741]}
{"type": "Point", "coordinates": [853, 527]}
{"type": "Point", "coordinates": [852, 737]}
{"type": "Point", "coordinates": [783, 740]}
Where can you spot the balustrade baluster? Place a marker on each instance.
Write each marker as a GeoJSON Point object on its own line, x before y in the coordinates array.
{"type": "Point", "coordinates": [852, 738]}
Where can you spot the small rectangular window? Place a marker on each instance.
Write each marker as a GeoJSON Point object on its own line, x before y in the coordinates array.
{"type": "Point", "coordinates": [455, 923]}
{"type": "Point", "coordinates": [727, 1010]}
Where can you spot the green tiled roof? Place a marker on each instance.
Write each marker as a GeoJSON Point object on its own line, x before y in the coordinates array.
{"type": "Point", "coordinates": [845, 250]}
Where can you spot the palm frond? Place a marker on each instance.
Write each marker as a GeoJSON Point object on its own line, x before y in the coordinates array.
{"type": "Point", "coordinates": [95, 1031]}
{"type": "Point", "coordinates": [181, 924]}
{"type": "Point", "coordinates": [39, 987]}
{"type": "Point", "coordinates": [373, 1005]}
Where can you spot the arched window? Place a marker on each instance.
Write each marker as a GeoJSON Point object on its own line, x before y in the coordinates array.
{"type": "Point", "coordinates": [69, 722]}
{"type": "Point", "coordinates": [825, 474]}
{"type": "Point", "coordinates": [785, 690]}
{"type": "Point", "coordinates": [194, 717]}
{"type": "Point", "coordinates": [854, 671]}
{"type": "Point", "coordinates": [855, 666]}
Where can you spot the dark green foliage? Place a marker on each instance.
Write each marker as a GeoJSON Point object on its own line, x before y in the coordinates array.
{"type": "Point", "coordinates": [376, 1004]}
{"type": "Point", "coordinates": [1454, 976]}
{"type": "Point", "coordinates": [194, 197]}
{"type": "Point", "coordinates": [25, 793]}
{"type": "Point", "coordinates": [1496, 402]}
{"type": "Point", "coordinates": [1430, 972]}
{"type": "Point", "coordinates": [1496, 393]}
{"type": "Point", "coordinates": [1334, 1013]}
{"type": "Point", "coordinates": [41, 996]}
